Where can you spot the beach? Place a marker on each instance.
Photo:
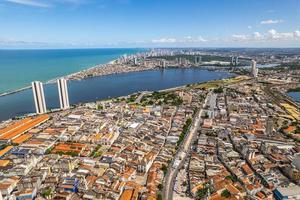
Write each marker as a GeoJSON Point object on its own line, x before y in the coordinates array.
{"type": "Point", "coordinates": [20, 67]}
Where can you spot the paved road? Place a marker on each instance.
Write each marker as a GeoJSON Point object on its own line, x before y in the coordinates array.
{"type": "Point", "coordinates": [182, 152]}
{"type": "Point", "coordinates": [139, 98]}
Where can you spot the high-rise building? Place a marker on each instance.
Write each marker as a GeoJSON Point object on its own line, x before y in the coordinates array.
{"type": "Point", "coordinates": [163, 64]}
{"type": "Point", "coordinates": [254, 70]}
{"type": "Point", "coordinates": [39, 97]}
{"type": "Point", "coordinates": [198, 59]}
{"type": "Point", "coordinates": [63, 93]}
{"type": "Point", "coordinates": [232, 60]}
{"type": "Point", "coordinates": [135, 61]}
{"type": "Point", "coordinates": [269, 126]}
{"type": "Point", "coordinates": [236, 60]}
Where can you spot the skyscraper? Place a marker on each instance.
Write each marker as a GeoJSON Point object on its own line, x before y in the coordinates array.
{"type": "Point", "coordinates": [236, 60]}
{"type": "Point", "coordinates": [232, 60]}
{"type": "Point", "coordinates": [269, 125]}
{"type": "Point", "coordinates": [63, 93]}
{"type": "Point", "coordinates": [39, 97]}
{"type": "Point", "coordinates": [254, 70]}
{"type": "Point", "coordinates": [135, 61]}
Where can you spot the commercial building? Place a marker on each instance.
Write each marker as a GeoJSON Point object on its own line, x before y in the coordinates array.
{"type": "Point", "coordinates": [63, 93]}
{"type": "Point", "coordinates": [291, 192]}
{"type": "Point", "coordinates": [254, 70]}
{"type": "Point", "coordinates": [39, 97]}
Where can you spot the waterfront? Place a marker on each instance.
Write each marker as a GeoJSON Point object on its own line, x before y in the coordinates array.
{"type": "Point", "coordinates": [25, 66]}
{"type": "Point", "coordinates": [109, 86]}
{"type": "Point", "coordinates": [295, 95]}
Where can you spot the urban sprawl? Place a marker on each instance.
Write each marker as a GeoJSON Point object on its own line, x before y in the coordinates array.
{"type": "Point", "coordinates": [235, 138]}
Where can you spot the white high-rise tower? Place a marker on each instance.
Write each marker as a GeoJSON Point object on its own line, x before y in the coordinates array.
{"type": "Point", "coordinates": [254, 70]}
{"type": "Point", "coordinates": [39, 97]}
{"type": "Point", "coordinates": [63, 93]}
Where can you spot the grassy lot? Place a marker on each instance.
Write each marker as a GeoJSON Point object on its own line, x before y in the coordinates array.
{"type": "Point", "coordinates": [219, 83]}
{"type": "Point", "coordinates": [161, 98]}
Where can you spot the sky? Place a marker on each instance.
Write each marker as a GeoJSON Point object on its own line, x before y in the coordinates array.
{"type": "Point", "coordinates": [149, 23]}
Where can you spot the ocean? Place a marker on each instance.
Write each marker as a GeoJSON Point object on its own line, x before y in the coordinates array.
{"type": "Point", "coordinates": [295, 95]}
{"type": "Point", "coordinates": [103, 87]}
{"type": "Point", "coordinates": [20, 67]}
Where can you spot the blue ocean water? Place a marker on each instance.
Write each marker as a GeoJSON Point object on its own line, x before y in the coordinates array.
{"type": "Point", "coordinates": [295, 95]}
{"type": "Point", "coordinates": [103, 87]}
{"type": "Point", "coordinates": [20, 67]}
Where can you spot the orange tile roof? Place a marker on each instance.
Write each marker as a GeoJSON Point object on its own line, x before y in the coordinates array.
{"type": "Point", "coordinates": [15, 131]}
{"type": "Point", "coordinates": [34, 142]}
{"type": "Point", "coordinates": [136, 188]}
{"type": "Point", "coordinates": [22, 138]}
{"type": "Point", "coordinates": [216, 196]}
{"type": "Point", "coordinates": [290, 129]}
{"type": "Point", "coordinates": [5, 150]}
{"type": "Point", "coordinates": [247, 169]}
{"type": "Point", "coordinates": [14, 125]}
{"type": "Point", "coordinates": [232, 189]}
{"type": "Point", "coordinates": [4, 163]}
{"type": "Point", "coordinates": [4, 186]}
{"type": "Point", "coordinates": [69, 147]}
{"type": "Point", "coordinates": [151, 198]}
{"type": "Point", "coordinates": [127, 194]}
{"type": "Point", "coordinates": [260, 195]}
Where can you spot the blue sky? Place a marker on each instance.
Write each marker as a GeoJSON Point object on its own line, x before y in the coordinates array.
{"type": "Point", "coordinates": [149, 23]}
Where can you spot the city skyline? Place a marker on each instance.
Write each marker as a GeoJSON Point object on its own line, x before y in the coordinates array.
{"type": "Point", "coordinates": [132, 23]}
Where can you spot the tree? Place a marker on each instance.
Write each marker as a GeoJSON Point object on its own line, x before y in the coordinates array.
{"type": "Point", "coordinates": [47, 192]}
{"type": "Point", "coordinates": [225, 193]}
{"type": "Point", "coordinates": [159, 196]}
{"type": "Point", "coordinates": [218, 90]}
{"type": "Point", "coordinates": [201, 193]}
{"type": "Point", "coordinates": [164, 168]}
{"type": "Point", "coordinates": [160, 186]}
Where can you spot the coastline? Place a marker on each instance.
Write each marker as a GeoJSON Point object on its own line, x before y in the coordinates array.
{"type": "Point", "coordinates": [122, 96]}
{"type": "Point", "coordinates": [69, 76]}
{"type": "Point", "coordinates": [14, 91]}
{"type": "Point", "coordinates": [51, 81]}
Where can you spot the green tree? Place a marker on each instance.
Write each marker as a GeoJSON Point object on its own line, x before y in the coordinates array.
{"type": "Point", "coordinates": [164, 168]}
{"type": "Point", "coordinates": [225, 193]}
{"type": "Point", "coordinates": [47, 192]}
{"type": "Point", "coordinates": [159, 196]}
{"type": "Point", "coordinates": [160, 187]}
{"type": "Point", "coordinates": [201, 193]}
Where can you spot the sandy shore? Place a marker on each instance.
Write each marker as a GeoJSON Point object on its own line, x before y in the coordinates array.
{"type": "Point", "coordinates": [55, 79]}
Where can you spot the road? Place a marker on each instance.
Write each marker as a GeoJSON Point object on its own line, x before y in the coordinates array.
{"type": "Point", "coordinates": [139, 98]}
{"type": "Point", "coordinates": [182, 152]}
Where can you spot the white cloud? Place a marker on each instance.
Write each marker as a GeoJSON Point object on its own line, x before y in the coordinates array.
{"type": "Point", "coordinates": [274, 35]}
{"type": "Point", "coordinates": [33, 3]}
{"type": "Point", "coordinates": [239, 37]}
{"type": "Point", "coordinates": [201, 39]}
{"type": "Point", "coordinates": [190, 39]}
{"type": "Point", "coordinates": [271, 21]}
{"type": "Point", "coordinates": [164, 40]}
{"type": "Point", "coordinates": [271, 35]}
{"type": "Point", "coordinates": [257, 35]}
{"type": "Point", "coordinates": [186, 39]}
{"type": "Point", "coordinates": [297, 34]}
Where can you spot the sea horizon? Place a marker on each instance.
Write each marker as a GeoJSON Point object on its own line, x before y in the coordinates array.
{"type": "Point", "coordinates": [48, 64]}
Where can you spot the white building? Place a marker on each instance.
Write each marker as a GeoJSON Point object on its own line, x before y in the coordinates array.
{"type": "Point", "coordinates": [254, 70]}
{"type": "Point", "coordinates": [63, 93]}
{"type": "Point", "coordinates": [39, 97]}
